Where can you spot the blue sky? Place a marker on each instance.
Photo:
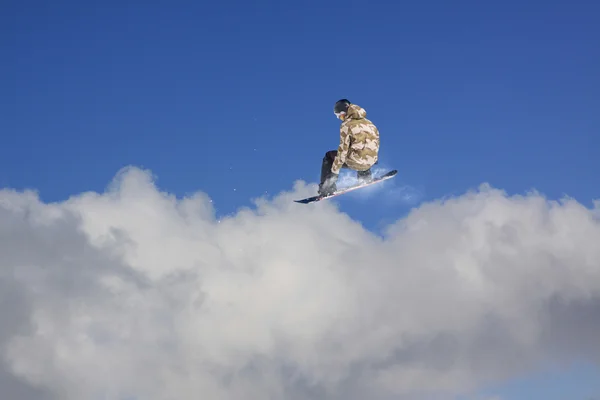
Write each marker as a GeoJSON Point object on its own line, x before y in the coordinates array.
{"type": "Point", "coordinates": [235, 99]}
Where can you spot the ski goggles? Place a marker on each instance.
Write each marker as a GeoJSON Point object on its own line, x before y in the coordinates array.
{"type": "Point", "coordinates": [338, 114]}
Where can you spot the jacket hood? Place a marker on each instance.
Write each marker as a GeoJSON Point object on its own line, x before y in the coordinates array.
{"type": "Point", "coordinates": [356, 112]}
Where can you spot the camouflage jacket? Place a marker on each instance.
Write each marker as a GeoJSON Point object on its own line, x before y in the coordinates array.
{"type": "Point", "coordinates": [359, 141]}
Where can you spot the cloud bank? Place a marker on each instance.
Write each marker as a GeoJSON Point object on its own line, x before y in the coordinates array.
{"type": "Point", "coordinates": [134, 294]}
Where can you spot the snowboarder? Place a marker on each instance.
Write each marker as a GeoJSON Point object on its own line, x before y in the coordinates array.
{"type": "Point", "coordinates": [358, 149]}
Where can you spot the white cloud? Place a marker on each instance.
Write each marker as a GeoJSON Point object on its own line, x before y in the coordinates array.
{"type": "Point", "coordinates": [136, 293]}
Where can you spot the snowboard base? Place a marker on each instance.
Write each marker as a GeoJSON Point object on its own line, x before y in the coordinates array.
{"type": "Point", "coordinates": [379, 179]}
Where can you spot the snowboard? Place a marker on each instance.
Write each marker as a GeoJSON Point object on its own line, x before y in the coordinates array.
{"type": "Point", "coordinates": [340, 191]}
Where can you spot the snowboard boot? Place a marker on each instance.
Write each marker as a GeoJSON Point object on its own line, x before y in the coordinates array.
{"type": "Point", "coordinates": [327, 188]}
{"type": "Point", "coordinates": [364, 177]}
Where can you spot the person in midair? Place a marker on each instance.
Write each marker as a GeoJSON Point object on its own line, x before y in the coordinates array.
{"type": "Point", "coordinates": [358, 149]}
